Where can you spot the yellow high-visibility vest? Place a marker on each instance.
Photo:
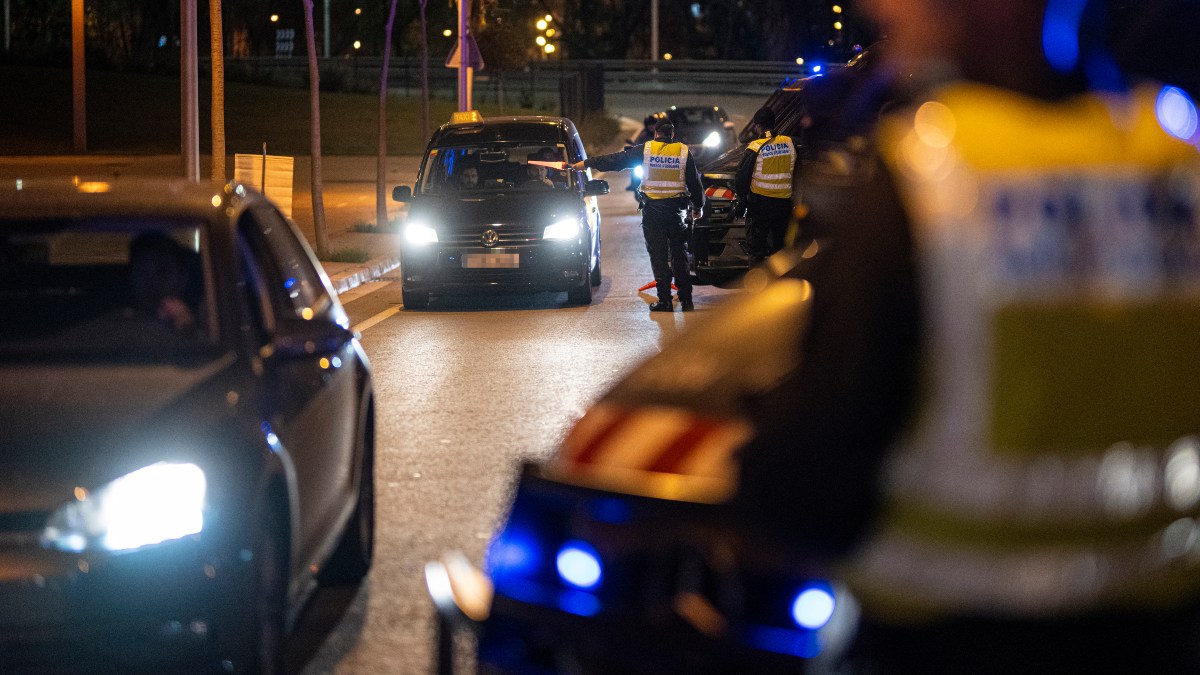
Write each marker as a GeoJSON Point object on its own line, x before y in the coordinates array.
{"type": "Point", "coordinates": [1054, 464]}
{"type": "Point", "coordinates": [664, 164]}
{"type": "Point", "coordinates": [773, 167]}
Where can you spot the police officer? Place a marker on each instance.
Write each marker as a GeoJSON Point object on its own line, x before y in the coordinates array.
{"type": "Point", "coordinates": [764, 184]}
{"type": "Point", "coordinates": [991, 423]}
{"type": "Point", "coordinates": [671, 187]}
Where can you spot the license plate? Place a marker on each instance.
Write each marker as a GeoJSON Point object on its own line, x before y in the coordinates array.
{"type": "Point", "coordinates": [510, 261]}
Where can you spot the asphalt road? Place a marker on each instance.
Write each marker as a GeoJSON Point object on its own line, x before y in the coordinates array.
{"type": "Point", "coordinates": [468, 389]}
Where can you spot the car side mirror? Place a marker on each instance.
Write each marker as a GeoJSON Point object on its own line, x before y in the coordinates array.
{"type": "Point", "coordinates": [299, 338]}
{"type": "Point", "coordinates": [401, 193]}
{"type": "Point", "coordinates": [595, 188]}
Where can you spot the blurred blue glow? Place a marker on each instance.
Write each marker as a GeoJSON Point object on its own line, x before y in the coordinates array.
{"type": "Point", "coordinates": [579, 565]}
{"type": "Point", "coordinates": [813, 606]}
{"type": "Point", "coordinates": [1176, 113]}
{"type": "Point", "coordinates": [805, 644]}
{"type": "Point", "coordinates": [515, 553]}
{"type": "Point", "coordinates": [816, 69]}
{"type": "Point", "coordinates": [1060, 33]}
{"type": "Point", "coordinates": [579, 603]}
{"type": "Point", "coordinates": [289, 283]}
{"type": "Point", "coordinates": [162, 40]}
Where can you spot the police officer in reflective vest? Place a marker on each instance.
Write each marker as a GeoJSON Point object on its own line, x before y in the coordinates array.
{"type": "Point", "coordinates": [994, 422]}
{"type": "Point", "coordinates": [671, 187]}
{"type": "Point", "coordinates": [764, 184]}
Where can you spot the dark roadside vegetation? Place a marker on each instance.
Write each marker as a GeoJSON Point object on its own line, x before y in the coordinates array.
{"type": "Point", "coordinates": [137, 113]}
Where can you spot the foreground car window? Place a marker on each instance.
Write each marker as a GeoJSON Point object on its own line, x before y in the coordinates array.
{"type": "Point", "coordinates": [134, 289]}
{"type": "Point", "coordinates": [495, 167]}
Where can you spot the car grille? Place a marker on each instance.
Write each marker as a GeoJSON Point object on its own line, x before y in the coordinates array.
{"type": "Point", "coordinates": [509, 236]}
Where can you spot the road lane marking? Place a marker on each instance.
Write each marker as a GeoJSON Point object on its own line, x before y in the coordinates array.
{"type": "Point", "coordinates": [369, 323]}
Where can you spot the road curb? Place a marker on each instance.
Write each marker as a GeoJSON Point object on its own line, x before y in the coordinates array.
{"type": "Point", "coordinates": [352, 277]}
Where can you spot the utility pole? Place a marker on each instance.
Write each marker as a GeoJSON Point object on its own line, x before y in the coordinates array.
{"type": "Point", "coordinates": [78, 79]}
{"type": "Point", "coordinates": [325, 35]}
{"type": "Point", "coordinates": [7, 30]}
{"type": "Point", "coordinates": [189, 95]}
{"type": "Point", "coordinates": [464, 72]}
{"type": "Point", "coordinates": [653, 30]}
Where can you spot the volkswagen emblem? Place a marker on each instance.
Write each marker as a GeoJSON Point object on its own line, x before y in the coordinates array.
{"type": "Point", "coordinates": [490, 238]}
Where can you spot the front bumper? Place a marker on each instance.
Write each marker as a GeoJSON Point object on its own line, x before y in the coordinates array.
{"type": "Point", "coordinates": [169, 607]}
{"type": "Point", "coordinates": [546, 266]}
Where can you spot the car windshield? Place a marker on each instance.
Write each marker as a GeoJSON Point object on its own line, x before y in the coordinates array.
{"type": "Point", "coordinates": [113, 288]}
{"type": "Point", "coordinates": [495, 167]}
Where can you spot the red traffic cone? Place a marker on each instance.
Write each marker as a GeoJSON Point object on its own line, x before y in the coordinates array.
{"type": "Point", "coordinates": [650, 285]}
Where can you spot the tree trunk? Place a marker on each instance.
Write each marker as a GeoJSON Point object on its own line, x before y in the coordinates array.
{"type": "Point", "coordinates": [217, 47]}
{"type": "Point", "coordinates": [425, 131]}
{"type": "Point", "coordinates": [314, 96]}
{"type": "Point", "coordinates": [381, 219]}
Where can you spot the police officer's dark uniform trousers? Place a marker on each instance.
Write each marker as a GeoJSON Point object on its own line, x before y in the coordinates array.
{"type": "Point", "coordinates": [670, 186]}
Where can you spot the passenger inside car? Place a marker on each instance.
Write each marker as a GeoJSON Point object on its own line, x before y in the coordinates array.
{"type": "Point", "coordinates": [162, 277]}
{"type": "Point", "coordinates": [468, 178]}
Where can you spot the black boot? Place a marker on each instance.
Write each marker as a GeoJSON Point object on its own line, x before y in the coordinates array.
{"type": "Point", "coordinates": [685, 304]}
{"type": "Point", "coordinates": [661, 306]}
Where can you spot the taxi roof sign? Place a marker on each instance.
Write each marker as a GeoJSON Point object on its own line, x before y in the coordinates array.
{"type": "Point", "coordinates": [465, 117]}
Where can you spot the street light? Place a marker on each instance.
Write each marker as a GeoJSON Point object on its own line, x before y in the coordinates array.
{"type": "Point", "coordinates": [541, 24]}
{"type": "Point", "coordinates": [447, 33]}
{"type": "Point", "coordinates": [274, 18]}
{"type": "Point", "coordinates": [541, 41]}
{"type": "Point", "coordinates": [549, 48]}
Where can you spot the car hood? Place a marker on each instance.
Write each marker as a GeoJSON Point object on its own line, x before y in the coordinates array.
{"type": "Point", "coordinates": [83, 425]}
{"type": "Point", "coordinates": [673, 427]}
{"type": "Point", "coordinates": [534, 207]}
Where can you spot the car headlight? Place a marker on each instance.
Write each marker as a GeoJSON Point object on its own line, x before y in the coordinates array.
{"type": "Point", "coordinates": [639, 171]}
{"type": "Point", "coordinates": [419, 233]}
{"type": "Point", "coordinates": [563, 230]}
{"type": "Point", "coordinates": [154, 504]}
{"type": "Point", "coordinates": [712, 140]}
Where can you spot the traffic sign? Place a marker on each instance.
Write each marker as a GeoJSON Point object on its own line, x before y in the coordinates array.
{"type": "Point", "coordinates": [474, 58]}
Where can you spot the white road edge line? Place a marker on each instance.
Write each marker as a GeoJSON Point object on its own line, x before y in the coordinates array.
{"type": "Point", "coordinates": [369, 323]}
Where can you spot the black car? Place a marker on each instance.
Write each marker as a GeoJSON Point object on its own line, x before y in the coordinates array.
{"type": "Point", "coordinates": [496, 206]}
{"type": "Point", "coordinates": [188, 429]}
{"type": "Point", "coordinates": [706, 129]}
{"type": "Point", "coordinates": [620, 553]}
{"type": "Point", "coordinates": [817, 112]}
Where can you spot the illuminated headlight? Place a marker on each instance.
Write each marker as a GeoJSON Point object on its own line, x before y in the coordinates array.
{"type": "Point", "coordinates": [419, 234]}
{"type": "Point", "coordinates": [639, 171]}
{"type": "Point", "coordinates": [563, 230]}
{"type": "Point", "coordinates": [154, 504]}
{"type": "Point", "coordinates": [712, 140]}
{"type": "Point", "coordinates": [813, 606]}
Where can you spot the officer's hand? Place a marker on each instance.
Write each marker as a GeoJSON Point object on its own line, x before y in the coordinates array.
{"type": "Point", "coordinates": [578, 166]}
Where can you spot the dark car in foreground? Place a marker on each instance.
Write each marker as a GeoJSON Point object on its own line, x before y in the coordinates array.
{"type": "Point", "coordinates": [188, 429]}
{"type": "Point", "coordinates": [620, 554]}
{"type": "Point", "coordinates": [496, 207]}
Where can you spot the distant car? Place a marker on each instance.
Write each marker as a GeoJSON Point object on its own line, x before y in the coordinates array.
{"type": "Point", "coordinates": [496, 208]}
{"type": "Point", "coordinates": [620, 554]}
{"type": "Point", "coordinates": [188, 426]}
{"type": "Point", "coordinates": [706, 129]}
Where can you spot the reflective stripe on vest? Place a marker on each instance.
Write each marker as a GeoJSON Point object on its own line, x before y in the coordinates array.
{"type": "Point", "coordinates": [664, 165]}
{"type": "Point", "coordinates": [773, 167]}
{"type": "Point", "coordinates": [1055, 463]}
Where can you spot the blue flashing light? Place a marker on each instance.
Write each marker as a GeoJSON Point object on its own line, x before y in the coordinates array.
{"type": "Point", "coordinates": [1177, 113]}
{"type": "Point", "coordinates": [1060, 33]}
{"type": "Point", "coordinates": [816, 68]}
{"type": "Point", "coordinates": [289, 283]}
{"type": "Point", "coordinates": [813, 606]}
{"type": "Point", "coordinates": [579, 565]}
{"type": "Point", "coordinates": [516, 553]}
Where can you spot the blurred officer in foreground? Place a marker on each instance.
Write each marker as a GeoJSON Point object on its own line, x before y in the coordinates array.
{"type": "Point", "coordinates": [1003, 332]}
{"type": "Point", "coordinates": [764, 183]}
{"type": "Point", "coordinates": [671, 183]}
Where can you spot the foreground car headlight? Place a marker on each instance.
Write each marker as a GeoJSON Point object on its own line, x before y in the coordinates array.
{"type": "Point", "coordinates": [419, 233]}
{"type": "Point", "coordinates": [154, 504]}
{"type": "Point", "coordinates": [639, 171]}
{"type": "Point", "coordinates": [712, 140]}
{"type": "Point", "coordinates": [563, 230]}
